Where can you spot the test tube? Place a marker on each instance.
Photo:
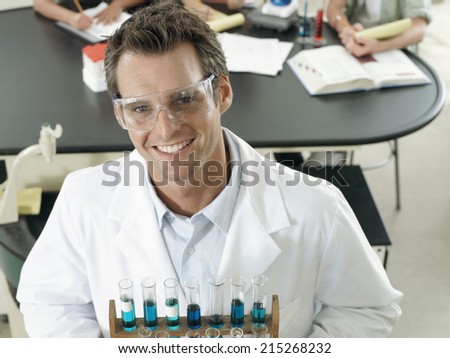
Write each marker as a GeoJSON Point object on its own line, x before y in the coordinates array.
{"type": "Point", "coordinates": [259, 331]}
{"type": "Point", "coordinates": [216, 296]}
{"type": "Point", "coordinates": [319, 25]}
{"type": "Point", "coordinates": [194, 320]}
{"type": "Point", "coordinates": [259, 299]}
{"type": "Point", "coordinates": [148, 285]}
{"type": "Point", "coordinates": [305, 24]}
{"type": "Point", "coordinates": [127, 304]}
{"type": "Point", "coordinates": [212, 332]}
{"type": "Point", "coordinates": [172, 307]}
{"type": "Point", "coordinates": [192, 333]}
{"type": "Point", "coordinates": [144, 332]}
{"type": "Point", "coordinates": [162, 334]}
{"type": "Point", "coordinates": [236, 332]}
{"type": "Point", "coordinates": [237, 300]}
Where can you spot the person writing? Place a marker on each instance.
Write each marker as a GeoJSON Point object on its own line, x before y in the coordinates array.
{"type": "Point", "coordinates": [195, 200]}
{"type": "Point", "coordinates": [72, 16]}
{"type": "Point", "coordinates": [350, 16]}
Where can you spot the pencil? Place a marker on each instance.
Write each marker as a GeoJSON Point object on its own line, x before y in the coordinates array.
{"type": "Point", "coordinates": [77, 4]}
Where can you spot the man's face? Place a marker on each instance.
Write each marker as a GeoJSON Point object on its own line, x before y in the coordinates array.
{"type": "Point", "coordinates": [174, 151]}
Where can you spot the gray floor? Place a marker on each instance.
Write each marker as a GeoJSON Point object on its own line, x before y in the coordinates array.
{"type": "Point", "coordinates": [419, 263]}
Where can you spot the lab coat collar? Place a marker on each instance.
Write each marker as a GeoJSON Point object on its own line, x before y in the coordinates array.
{"type": "Point", "coordinates": [249, 249]}
{"type": "Point", "coordinates": [139, 238]}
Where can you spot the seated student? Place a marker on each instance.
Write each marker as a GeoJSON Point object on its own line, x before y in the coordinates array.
{"type": "Point", "coordinates": [349, 16]}
{"type": "Point", "coordinates": [195, 200]}
{"type": "Point", "coordinates": [69, 14]}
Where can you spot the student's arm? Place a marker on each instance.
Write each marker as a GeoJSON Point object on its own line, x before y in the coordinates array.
{"type": "Point", "coordinates": [336, 15]}
{"type": "Point", "coordinates": [113, 11]}
{"type": "Point", "coordinates": [413, 35]}
{"type": "Point", "coordinates": [363, 46]}
{"type": "Point", "coordinates": [56, 12]}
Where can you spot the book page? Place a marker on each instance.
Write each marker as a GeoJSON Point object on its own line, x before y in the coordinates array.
{"type": "Point", "coordinates": [329, 69]}
{"type": "Point", "coordinates": [394, 68]}
{"type": "Point", "coordinates": [335, 64]}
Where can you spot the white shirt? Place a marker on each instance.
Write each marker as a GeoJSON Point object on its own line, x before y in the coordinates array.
{"type": "Point", "coordinates": [195, 244]}
{"type": "Point", "coordinates": [372, 15]}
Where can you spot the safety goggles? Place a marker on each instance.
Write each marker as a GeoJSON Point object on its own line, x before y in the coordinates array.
{"type": "Point", "coordinates": [181, 105]}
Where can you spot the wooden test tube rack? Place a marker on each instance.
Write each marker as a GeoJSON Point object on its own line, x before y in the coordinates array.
{"type": "Point", "coordinates": [117, 331]}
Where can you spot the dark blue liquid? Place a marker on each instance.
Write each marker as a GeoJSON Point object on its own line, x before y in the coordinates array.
{"type": "Point", "coordinates": [129, 318]}
{"type": "Point", "coordinates": [150, 314]}
{"type": "Point", "coordinates": [258, 313]}
{"type": "Point", "coordinates": [194, 320]}
{"type": "Point", "coordinates": [216, 321]}
{"type": "Point", "coordinates": [237, 313]}
{"type": "Point", "coordinates": [173, 322]}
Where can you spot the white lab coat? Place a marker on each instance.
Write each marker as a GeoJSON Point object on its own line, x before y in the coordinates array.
{"type": "Point", "coordinates": [303, 237]}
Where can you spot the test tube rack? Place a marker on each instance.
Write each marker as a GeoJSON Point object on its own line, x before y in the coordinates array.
{"type": "Point", "coordinates": [117, 330]}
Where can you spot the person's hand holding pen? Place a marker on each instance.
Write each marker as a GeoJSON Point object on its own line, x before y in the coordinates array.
{"type": "Point", "coordinates": [80, 21]}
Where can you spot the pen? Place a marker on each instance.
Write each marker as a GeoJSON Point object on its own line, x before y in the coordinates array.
{"type": "Point", "coordinates": [77, 4]}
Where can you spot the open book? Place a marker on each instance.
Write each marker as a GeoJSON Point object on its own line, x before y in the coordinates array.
{"type": "Point", "coordinates": [97, 32]}
{"type": "Point", "coordinates": [331, 69]}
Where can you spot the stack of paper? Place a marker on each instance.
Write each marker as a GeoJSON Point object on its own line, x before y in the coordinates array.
{"type": "Point", "coordinates": [250, 54]}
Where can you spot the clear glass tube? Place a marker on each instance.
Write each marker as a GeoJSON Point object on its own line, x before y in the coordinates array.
{"type": "Point", "coordinates": [237, 300]}
{"type": "Point", "coordinates": [172, 306]}
{"type": "Point", "coordinates": [236, 332]}
{"type": "Point", "coordinates": [127, 304]}
{"type": "Point", "coordinates": [193, 333]}
{"type": "Point", "coordinates": [259, 331]}
{"type": "Point", "coordinates": [144, 332]}
{"type": "Point", "coordinates": [161, 334]}
{"type": "Point", "coordinates": [148, 285]}
{"type": "Point", "coordinates": [212, 332]}
{"type": "Point", "coordinates": [194, 320]}
{"type": "Point", "coordinates": [259, 299]}
{"type": "Point", "coordinates": [216, 296]}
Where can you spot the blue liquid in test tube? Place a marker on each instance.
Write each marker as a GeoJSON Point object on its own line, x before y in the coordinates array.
{"type": "Point", "coordinates": [193, 316]}
{"type": "Point", "coordinates": [237, 300]}
{"type": "Point", "coordinates": [172, 313]}
{"type": "Point", "coordinates": [148, 285]}
{"type": "Point", "coordinates": [150, 314]}
{"type": "Point", "coordinates": [171, 303]}
{"type": "Point", "coordinates": [259, 299]}
{"type": "Point", "coordinates": [237, 313]}
{"type": "Point", "coordinates": [258, 313]}
{"type": "Point", "coordinates": [127, 305]}
{"type": "Point", "coordinates": [216, 295]}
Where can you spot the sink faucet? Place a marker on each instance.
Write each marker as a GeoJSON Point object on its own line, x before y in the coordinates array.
{"type": "Point", "coordinates": [9, 211]}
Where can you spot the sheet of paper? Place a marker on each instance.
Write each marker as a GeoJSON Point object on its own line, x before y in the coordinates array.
{"type": "Point", "coordinates": [255, 55]}
{"type": "Point", "coordinates": [102, 30]}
